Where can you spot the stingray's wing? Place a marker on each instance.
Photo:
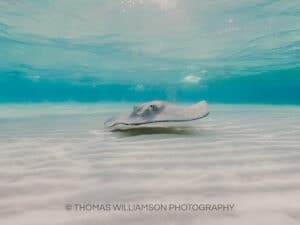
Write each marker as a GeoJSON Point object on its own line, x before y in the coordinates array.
{"type": "Point", "coordinates": [171, 113]}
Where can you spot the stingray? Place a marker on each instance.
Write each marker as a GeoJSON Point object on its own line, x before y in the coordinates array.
{"type": "Point", "coordinates": [159, 112]}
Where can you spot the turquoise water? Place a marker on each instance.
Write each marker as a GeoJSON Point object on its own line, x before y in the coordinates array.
{"type": "Point", "coordinates": [66, 66]}
{"type": "Point", "coordinates": [138, 50]}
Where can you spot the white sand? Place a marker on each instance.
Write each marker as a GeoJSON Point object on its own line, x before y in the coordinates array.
{"type": "Point", "coordinates": [53, 155]}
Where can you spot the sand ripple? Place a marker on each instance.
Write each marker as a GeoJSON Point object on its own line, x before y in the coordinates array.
{"type": "Point", "coordinates": [238, 154]}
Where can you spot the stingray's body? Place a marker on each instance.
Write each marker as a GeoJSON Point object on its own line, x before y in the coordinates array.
{"type": "Point", "coordinates": [159, 112]}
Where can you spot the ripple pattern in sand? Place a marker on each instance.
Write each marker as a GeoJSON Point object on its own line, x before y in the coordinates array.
{"type": "Point", "coordinates": [237, 154]}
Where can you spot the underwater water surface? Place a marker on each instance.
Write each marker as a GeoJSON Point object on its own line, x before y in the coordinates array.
{"type": "Point", "coordinates": [233, 51]}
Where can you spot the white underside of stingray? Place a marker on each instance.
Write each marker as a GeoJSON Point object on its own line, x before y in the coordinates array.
{"type": "Point", "coordinates": [159, 112]}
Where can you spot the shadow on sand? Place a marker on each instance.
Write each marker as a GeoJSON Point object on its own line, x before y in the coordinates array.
{"type": "Point", "coordinates": [177, 130]}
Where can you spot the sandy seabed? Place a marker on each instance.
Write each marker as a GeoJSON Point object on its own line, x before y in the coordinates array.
{"type": "Point", "coordinates": [58, 165]}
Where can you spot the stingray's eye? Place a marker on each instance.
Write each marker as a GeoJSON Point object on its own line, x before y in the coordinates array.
{"type": "Point", "coordinates": [153, 107]}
